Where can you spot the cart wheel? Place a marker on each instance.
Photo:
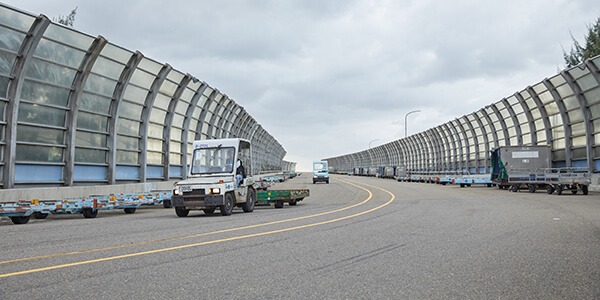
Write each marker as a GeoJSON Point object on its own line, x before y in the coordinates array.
{"type": "Point", "coordinates": [167, 203]}
{"type": "Point", "coordinates": [39, 215]}
{"type": "Point", "coordinates": [559, 189]}
{"type": "Point", "coordinates": [209, 211]}
{"type": "Point", "coordinates": [279, 204]}
{"type": "Point", "coordinates": [181, 212]}
{"type": "Point", "coordinates": [532, 188]}
{"type": "Point", "coordinates": [250, 200]}
{"type": "Point", "coordinates": [20, 219]}
{"type": "Point", "coordinates": [550, 189]}
{"type": "Point", "coordinates": [462, 185]}
{"type": "Point", "coordinates": [227, 209]}
{"type": "Point", "coordinates": [293, 202]}
{"type": "Point", "coordinates": [129, 210]}
{"type": "Point", "coordinates": [89, 213]}
{"type": "Point", "coordinates": [514, 188]}
{"type": "Point", "coordinates": [584, 189]}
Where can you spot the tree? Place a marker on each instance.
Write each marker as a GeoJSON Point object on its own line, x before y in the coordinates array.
{"type": "Point", "coordinates": [67, 20]}
{"type": "Point", "coordinates": [580, 53]}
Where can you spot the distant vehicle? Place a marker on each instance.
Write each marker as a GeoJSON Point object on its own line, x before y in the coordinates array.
{"type": "Point", "coordinates": [320, 171]}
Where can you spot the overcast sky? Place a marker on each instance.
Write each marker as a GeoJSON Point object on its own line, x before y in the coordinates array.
{"type": "Point", "coordinates": [328, 77]}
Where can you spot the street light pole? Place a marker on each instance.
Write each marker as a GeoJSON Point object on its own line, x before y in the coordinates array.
{"type": "Point", "coordinates": [371, 142]}
{"type": "Point", "coordinates": [405, 125]}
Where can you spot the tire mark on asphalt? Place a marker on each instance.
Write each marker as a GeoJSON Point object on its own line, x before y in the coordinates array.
{"type": "Point", "coordinates": [358, 258]}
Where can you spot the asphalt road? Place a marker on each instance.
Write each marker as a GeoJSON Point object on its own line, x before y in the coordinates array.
{"type": "Point", "coordinates": [355, 238]}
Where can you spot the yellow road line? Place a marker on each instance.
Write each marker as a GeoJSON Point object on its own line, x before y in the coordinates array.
{"type": "Point", "coordinates": [194, 235]}
{"type": "Point", "coordinates": [201, 243]}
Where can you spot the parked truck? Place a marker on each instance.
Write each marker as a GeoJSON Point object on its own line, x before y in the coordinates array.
{"type": "Point", "coordinates": [219, 177]}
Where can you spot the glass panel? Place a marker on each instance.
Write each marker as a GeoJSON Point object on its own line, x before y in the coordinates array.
{"type": "Point", "coordinates": [155, 158]}
{"type": "Point", "coordinates": [564, 90]}
{"type": "Point", "coordinates": [68, 36]}
{"type": "Point", "coordinates": [587, 82]}
{"type": "Point", "coordinates": [579, 141]}
{"type": "Point", "coordinates": [40, 135]}
{"type": "Point", "coordinates": [158, 116]}
{"type": "Point", "coordinates": [150, 66]}
{"type": "Point", "coordinates": [89, 172]}
{"type": "Point", "coordinates": [41, 115]}
{"type": "Point", "coordinates": [155, 131]}
{"type": "Point", "coordinates": [595, 110]}
{"type": "Point", "coordinates": [92, 122]}
{"type": "Point", "coordinates": [124, 157]}
{"type": "Point", "coordinates": [155, 145]}
{"type": "Point", "coordinates": [162, 101]}
{"type": "Point", "coordinates": [128, 143]}
{"type": "Point", "coordinates": [592, 96]}
{"type": "Point", "coordinates": [15, 19]}
{"type": "Point", "coordinates": [130, 110]}
{"type": "Point", "coordinates": [175, 159]}
{"type": "Point", "coordinates": [187, 95]}
{"type": "Point", "coordinates": [100, 85]}
{"type": "Point", "coordinates": [181, 107]}
{"type": "Point", "coordinates": [575, 115]}
{"type": "Point", "coordinates": [530, 103]}
{"type": "Point", "coordinates": [95, 103]}
{"type": "Point", "coordinates": [546, 97]}
{"type": "Point", "coordinates": [571, 103]}
{"type": "Point", "coordinates": [3, 86]}
{"type": "Point", "coordinates": [108, 68]}
{"type": "Point", "coordinates": [119, 54]}
{"type": "Point", "coordinates": [135, 94]}
{"type": "Point", "coordinates": [154, 172]}
{"type": "Point", "coordinates": [176, 134]}
{"type": "Point", "coordinates": [52, 73]}
{"type": "Point", "coordinates": [517, 108]}
{"type": "Point", "coordinates": [59, 53]}
{"type": "Point", "coordinates": [536, 114]}
{"type": "Point", "coordinates": [41, 93]}
{"type": "Point", "coordinates": [175, 76]}
{"type": "Point", "coordinates": [142, 78]}
{"type": "Point", "coordinates": [33, 173]}
{"type": "Point", "coordinates": [558, 143]}
{"type": "Point", "coordinates": [539, 124]}
{"type": "Point", "coordinates": [88, 139]}
{"type": "Point", "coordinates": [39, 153]}
{"type": "Point", "coordinates": [168, 88]}
{"type": "Point", "coordinates": [578, 72]}
{"type": "Point", "coordinates": [557, 80]}
{"type": "Point", "coordinates": [90, 155]}
{"type": "Point", "coordinates": [178, 120]}
{"type": "Point", "coordinates": [551, 109]}
{"type": "Point", "coordinates": [6, 62]}
{"type": "Point", "coordinates": [578, 129]}
{"type": "Point", "coordinates": [175, 147]}
{"type": "Point", "coordinates": [128, 127]}
{"type": "Point", "coordinates": [558, 132]}
{"type": "Point", "coordinates": [541, 136]}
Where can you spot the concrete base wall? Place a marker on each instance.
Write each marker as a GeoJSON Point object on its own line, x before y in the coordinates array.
{"type": "Point", "coordinates": [59, 193]}
{"type": "Point", "coordinates": [595, 186]}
